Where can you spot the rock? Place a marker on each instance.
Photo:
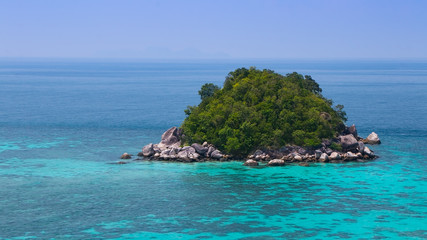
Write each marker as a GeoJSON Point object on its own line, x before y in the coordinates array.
{"type": "Point", "coordinates": [183, 154]}
{"type": "Point", "coordinates": [205, 144]}
{"type": "Point", "coordinates": [324, 157]}
{"type": "Point", "coordinates": [172, 137]}
{"type": "Point", "coordinates": [361, 147]}
{"type": "Point", "coordinates": [216, 154]}
{"type": "Point", "coordinates": [335, 156]}
{"type": "Point", "coordinates": [350, 156]}
{"type": "Point", "coordinates": [359, 155]}
{"type": "Point", "coordinates": [368, 152]}
{"type": "Point", "coordinates": [353, 131]}
{"type": "Point", "coordinates": [200, 149]}
{"type": "Point", "coordinates": [156, 149]}
{"type": "Point", "coordinates": [193, 156]}
{"type": "Point", "coordinates": [156, 155]}
{"type": "Point", "coordinates": [140, 154]}
{"type": "Point", "coordinates": [165, 154]}
{"type": "Point", "coordinates": [304, 164]}
{"type": "Point", "coordinates": [373, 139]}
{"type": "Point", "coordinates": [328, 151]}
{"type": "Point", "coordinates": [148, 150]}
{"type": "Point", "coordinates": [348, 142]}
{"type": "Point", "coordinates": [298, 158]}
{"type": "Point", "coordinates": [326, 143]}
{"type": "Point", "coordinates": [276, 162]}
{"type": "Point", "coordinates": [302, 151]}
{"type": "Point", "coordinates": [317, 154]}
{"type": "Point", "coordinates": [185, 148]}
{"type": "Point", "coordinates": [121, 162]}
{"type": "Point", "coordinates": [251, 162]}
{"type": "Point", "coordinates": [210, 151]}
{"type": "Point", "coordinates": [126, 156]}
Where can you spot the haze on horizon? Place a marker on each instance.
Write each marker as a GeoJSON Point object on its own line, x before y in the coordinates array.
{"type": "Point", "coordinates": [386, 29]}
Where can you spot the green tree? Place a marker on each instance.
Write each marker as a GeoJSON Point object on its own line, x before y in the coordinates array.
{"type": "Point", "coordinates": [260, 108]}
{"type": "Point", "coordinates": [208, 90]}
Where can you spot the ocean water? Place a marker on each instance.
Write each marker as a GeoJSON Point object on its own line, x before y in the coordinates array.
{"type": "Point", "coordinates": [64, 123]}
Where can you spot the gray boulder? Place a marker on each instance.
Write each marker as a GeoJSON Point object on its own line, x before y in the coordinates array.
{"type": "Point", "coordinates": [172, 137]}
{"type": "Point", "coordinates": [210, 151]}
{"type": "Point", "coordinates": [361, 146]}
{"type": "Point", "coordinates": [324, 157]}
{"type": "Point", "coordinates": [276, 162]}
{"type": "Point", "coordinates": [350, 156]}
{"type": "Point", "coordinates": [348, 142]}
{"type": "Point", "coordinates": [148, 150]}
{"type": "Point", "coordinates": [251, 162]}
{"type": "Point", "coordinates": [373, 139]}
{"type": "Point", "coordinates": [368, 152]}
{"type": "Point", "coordinates": [317, 154]}
{"type": "Point", "coordinates": [335, 156]}
{"type": "Point", "coordinates": [216, 154]}
{"type": "Point", "coordinates": [200, 149]}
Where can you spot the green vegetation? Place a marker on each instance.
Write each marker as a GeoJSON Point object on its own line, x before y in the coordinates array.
{"type": "Point", "coordinates": [262, 109]}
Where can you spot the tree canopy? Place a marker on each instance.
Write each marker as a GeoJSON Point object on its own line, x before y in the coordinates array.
{"type": "Point", "coordinates": [262, 109]}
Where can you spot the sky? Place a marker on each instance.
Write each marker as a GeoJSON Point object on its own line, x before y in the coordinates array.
{"type": "Point", "coordinates": [213, 29]}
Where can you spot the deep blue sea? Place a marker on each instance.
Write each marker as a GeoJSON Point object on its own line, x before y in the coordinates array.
{"type": "Point", "coordinates": [63, 123]}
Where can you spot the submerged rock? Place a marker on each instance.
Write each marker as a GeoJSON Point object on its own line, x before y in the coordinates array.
{"type": "Point", "coordinates": [126, 156]}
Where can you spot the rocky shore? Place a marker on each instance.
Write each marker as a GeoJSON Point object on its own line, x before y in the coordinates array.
{"type": "Point", "coordinates": [346, 147]}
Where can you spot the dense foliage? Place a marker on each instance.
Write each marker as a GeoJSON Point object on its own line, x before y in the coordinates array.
{"type": "Point", "coordinates": [262, 109]}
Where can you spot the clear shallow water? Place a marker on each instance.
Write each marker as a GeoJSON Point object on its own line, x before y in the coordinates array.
{"type": "Point", "coordinates": [63, 122]}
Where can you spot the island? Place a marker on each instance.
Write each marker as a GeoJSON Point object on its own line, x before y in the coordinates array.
{"type": "Point", "coordinates": [262, 116]}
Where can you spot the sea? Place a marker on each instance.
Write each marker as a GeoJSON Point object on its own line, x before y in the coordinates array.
{"type": "Point", "coordinates": [64, 123]}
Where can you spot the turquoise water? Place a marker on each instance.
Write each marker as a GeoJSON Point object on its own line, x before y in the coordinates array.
{"type": "Point", "coordinates": [63, 124]}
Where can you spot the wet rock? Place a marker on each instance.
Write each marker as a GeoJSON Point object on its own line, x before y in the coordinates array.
{"type": "Point", "coordinates": [276, 162]}
{"type": "Point", "coordinates": [368, 152]}
{"type": "Point", "coordinates": [349, 156]}
{"type": "Point", "coordinates": [251, 162]}
{"type": "Point", "coordinates": [126, 156]}
{"type": "Point", "coordinates": [304, 164]}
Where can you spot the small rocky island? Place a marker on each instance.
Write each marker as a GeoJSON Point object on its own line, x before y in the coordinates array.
{"type": "Point", "coordinates": [261, 116]}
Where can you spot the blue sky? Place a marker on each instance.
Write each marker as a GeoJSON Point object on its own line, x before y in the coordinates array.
{"type": "Point", "coordinates": [214, 29]}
